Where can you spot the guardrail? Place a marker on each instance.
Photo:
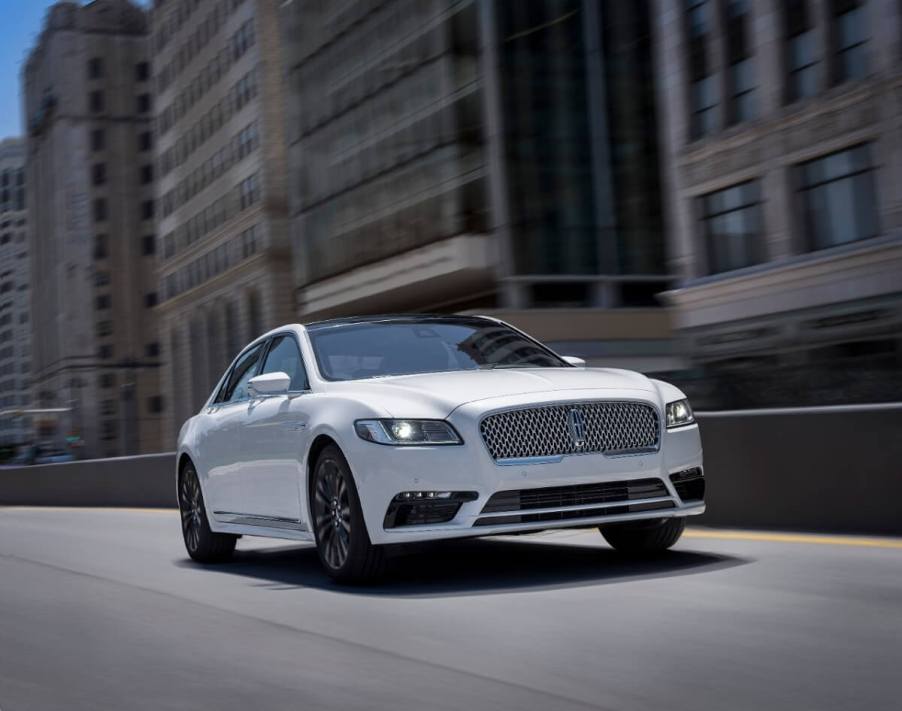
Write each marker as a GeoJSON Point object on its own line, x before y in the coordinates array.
{"type": "Point", "coordinates": [826, 468]}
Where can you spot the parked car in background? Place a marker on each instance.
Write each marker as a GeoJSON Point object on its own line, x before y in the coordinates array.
{"type": "Point", "coordinates": [358, 433]}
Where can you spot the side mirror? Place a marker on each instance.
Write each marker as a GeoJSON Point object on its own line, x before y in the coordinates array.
{"type": "Point", "coordinates": [269, 384]}
{"type": "Point", "coordinates": [575, 361]}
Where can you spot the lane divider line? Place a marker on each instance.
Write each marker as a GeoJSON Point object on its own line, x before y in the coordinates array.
{"type": "Point", "coordinates": [811, 538]}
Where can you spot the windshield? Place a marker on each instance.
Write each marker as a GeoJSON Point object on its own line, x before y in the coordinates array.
{"type": "Point", "coordinates": [351, 351]}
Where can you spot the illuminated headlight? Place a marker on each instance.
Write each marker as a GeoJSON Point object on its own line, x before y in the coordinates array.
{"type": "Point", "coordinates": [679, 413]}
{"type": "Point", "coordinates": [407, 432]}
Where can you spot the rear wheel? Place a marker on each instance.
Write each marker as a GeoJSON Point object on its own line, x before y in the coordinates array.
{"type": "Point", "coordinates": [644, 537]}
{"type": "Point", "coordinates": [202, 544]}
{"type": "Point", "coordinates": [342, 540]}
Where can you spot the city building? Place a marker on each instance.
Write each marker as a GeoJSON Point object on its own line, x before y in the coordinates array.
{"type": "Point", "coordinates": [480, 155]}
{"type": "Point", "coordinates": [89, 177]}
{"type": "Point", "coordinates": [223, 250]}
{"type": "Point", "coordinates": [15, 323]}
{"type": "Point", "coordinates": [782, 150]}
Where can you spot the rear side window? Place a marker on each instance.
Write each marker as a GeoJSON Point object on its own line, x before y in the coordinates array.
{"type": "Point", "coordinates": [285, 357]}
{"type": "Point", "coordinates": [235, 387]}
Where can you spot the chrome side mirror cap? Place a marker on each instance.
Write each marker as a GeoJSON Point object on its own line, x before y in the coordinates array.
{"type": "Point", "coordinates": [269, 384]}
{"type": "Point", "coordinates": [575, 361]}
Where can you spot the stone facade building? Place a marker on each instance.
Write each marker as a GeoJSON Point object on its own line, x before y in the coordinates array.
{"type": "Point", "coordinates": [478, 155]}
{"type": "Point", "coordinates": [783, 164]}
{"type": "Point", "coordinates": [15, 297]}
{"type": "Point", "coordinates": [88, 108]}
{"type": "Point", "coordinates": [223, 253]}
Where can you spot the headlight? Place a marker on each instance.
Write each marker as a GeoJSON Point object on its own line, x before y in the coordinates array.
{"type": "Point", "coordinates": [679, 413]}
{"type": "Point", "coordinates": [407, 432]}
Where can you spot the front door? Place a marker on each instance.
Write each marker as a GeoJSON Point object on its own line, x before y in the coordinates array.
{"type": "Point", "coordinates": [274, 437]}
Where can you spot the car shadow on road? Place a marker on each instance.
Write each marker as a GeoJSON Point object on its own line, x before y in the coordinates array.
{"type": "Point", "coordinates": [477, 566]}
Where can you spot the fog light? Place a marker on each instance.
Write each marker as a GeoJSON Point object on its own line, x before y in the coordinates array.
{"type": "Point", "coordinates": [415, 508]}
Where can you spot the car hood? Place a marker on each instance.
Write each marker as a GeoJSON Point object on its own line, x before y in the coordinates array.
{"type": "Point", "coordinates": [438, 394]}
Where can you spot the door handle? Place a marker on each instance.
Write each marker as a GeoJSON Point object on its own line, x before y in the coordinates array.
{"type": "Point", "coordinates": [294, 425]}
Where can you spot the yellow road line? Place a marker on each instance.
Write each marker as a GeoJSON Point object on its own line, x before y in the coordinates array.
{"type": "Point", "coordinates": [813, 538]}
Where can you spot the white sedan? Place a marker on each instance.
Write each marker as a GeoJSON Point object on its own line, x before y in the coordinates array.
{"type": "Point", "coordinates": [360, 433]}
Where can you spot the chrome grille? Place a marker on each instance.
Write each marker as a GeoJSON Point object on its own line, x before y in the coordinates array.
{"type": "Point", "coordinates": [610, 427]}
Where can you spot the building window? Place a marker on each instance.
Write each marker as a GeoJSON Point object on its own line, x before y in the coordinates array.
{"type": "Point", "coordinates": [143, 103]}
{"type": "Point", "coordinates": [703, 94]}
{"type": "Point", "coordinates": [144, 141]}
{"type": "Point", "coordinates": [103, 302]}
{"type": "Point", "coordinates": [105, 352]}
{"type": "Point", "coordinates": [851, 32]}
{"type": "Point", "coordinates": [100, 247]}
{"type": "Point", "coordinates": [96, 101]}
{"type": "Point", "coordinates": [249, 191]}
{"type": "Point", "coordinates": [142, 71]}
{"type": "Point", "coordinates": [104, 328]}
{"type": "Point", "coordinates": [148, 245]}
{"type": "Point", "coordinates": [150, 299]}
{"type": "Point", "coordinates": [741, 70]}
{"type": "Point", "coordinates": [838, 198]}
{"type": "Point", "coordinates": [98, 173]}
{"type": "Point", "coordinates": [98, 139]}
{"type": "Point", "coordinates": [95, 68]}
{"type": "Point", "coordinates": [155, 404]}
{"type": "Point", "coordinates": [152, 350]}
{"type": "Point", "coordinates": [146, 174]}
{"type": "Point", "coordinates": [100, 212]}
{"type": "Point", "coordinates": [147, 210]}
{"type": "Point", "coordinates": [106, 380]}
{"type": "Point", "coordinates": [801, 51]}
{"type": "Point", "coordinates": [731, 220]}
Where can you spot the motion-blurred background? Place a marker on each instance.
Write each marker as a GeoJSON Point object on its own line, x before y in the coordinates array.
{"type": "Point", "coordinates": [705, 190]}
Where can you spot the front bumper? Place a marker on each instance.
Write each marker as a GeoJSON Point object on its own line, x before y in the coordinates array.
{"type": "Point", "coordinates": [381, 473]}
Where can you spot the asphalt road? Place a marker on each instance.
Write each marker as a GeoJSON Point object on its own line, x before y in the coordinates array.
{"type": "Point", "coordinates": [101, 609]}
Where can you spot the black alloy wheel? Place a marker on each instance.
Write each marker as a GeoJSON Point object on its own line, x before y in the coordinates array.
{"type": "Point", "coordinates": [342, 541]}
{"type": "Point", "coordinates": [201, 542]}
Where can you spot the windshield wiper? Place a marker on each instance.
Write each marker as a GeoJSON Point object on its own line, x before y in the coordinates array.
{"type": "Point", "coordinates": [494, 366]}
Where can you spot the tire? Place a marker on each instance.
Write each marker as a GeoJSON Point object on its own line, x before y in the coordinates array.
{"type": "Point", "coordinates": [644, 538]}
{"type": "Point", "coordinates": [342, 541]}
{"type": "Point", "coordinates": [202, 544]}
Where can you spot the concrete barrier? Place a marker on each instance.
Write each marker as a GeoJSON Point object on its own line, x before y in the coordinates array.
{"type": "Point", "coordinates": [824, 468]}
{"type": "Point", "coordinates": [821, 469]}
{"type": "Point", "coordinates": [143, 481]}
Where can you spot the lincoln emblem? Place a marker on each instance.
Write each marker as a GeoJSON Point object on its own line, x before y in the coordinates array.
{"type": "Point", "coordinates": [577, 427]}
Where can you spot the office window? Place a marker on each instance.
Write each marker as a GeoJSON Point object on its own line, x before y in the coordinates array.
{"type": "Point", "coordinates": [148, 245]}
{"type": "Point", "coordinates": [731, 222]}
{"type": "Point", "coordinates": [98, 139]}
{"type": "Point", "coordinates": [249, 191]}
{"type": "Point", "coordinates": [100, 247]}
{"type": "Point", "coordinates": [104, 328]}
{"type": "Point", "coordinates": [155, 404]}
{"type": "Point", "coordinates": [96, 101]}
{"type": "Point", "coordinates": [838, 198]}
{"type": "Point", "coordinates": [147, 210]}
{"type": "Point", "coordinates": [103, 302]}
{"type": "Point", "coordinates": [105, 352]}
{"type": "Point", "coordinates": [98, 173]}
{"type": "Point", "coordinates": [146, 174]}
{"type": "Point", "coordinates": [704, 106]}
{"type": "Point", "coordinates": [144, 141]}
{"type": "Point", "coordinates": [142, 71]}
{"type": "Point", "coordinates": [100, 211]}
{"type": "Point", "coordinates": [95, 68]}
{"type": "Point", "coordinates": [152, 350]}
{"type": "Point", "coordinates": [741, 74]}
{"type": "Point", "coordinates": [106, 380]}
{"type": "Point", "coordinates": [143, 103]}
{"type": "Point", "coordinates": [150, 299]}
{"type": "Point", "coordinates": [703, 94]}
{"type": "Point", "coordinates": [851, 32]}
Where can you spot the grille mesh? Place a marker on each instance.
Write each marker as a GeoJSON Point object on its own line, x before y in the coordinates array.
{"type": "Point", "coordinates": [609, 427]}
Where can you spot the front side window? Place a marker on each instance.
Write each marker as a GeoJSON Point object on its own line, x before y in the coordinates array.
{"type": "Point", "coordinates": [731, 220]}
{"type": "Point", "coordinates": [235, 387]}
{"type": "Point", "coordinates": [352, 351]}
{"type": "Point", "coordinates": [838, 198]}
{"type": "Point", "coordinates": [284, 357]}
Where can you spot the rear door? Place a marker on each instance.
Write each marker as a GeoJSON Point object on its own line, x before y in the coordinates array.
{"type": "Point", "coordinates": [273, 438]}
{"type": "Point", "coordinates": [222, 442]}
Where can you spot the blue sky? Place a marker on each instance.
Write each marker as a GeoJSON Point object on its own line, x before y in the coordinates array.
{"type": "Point", "coordinates": [20, 23]}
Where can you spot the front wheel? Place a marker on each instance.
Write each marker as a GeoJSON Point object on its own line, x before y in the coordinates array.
{"type": "Point", "coordinates": [202, 544]}
{"type": "Point", "coordinates": [643, 538]}
{"type": "Point", "coordinates": [342, 540]}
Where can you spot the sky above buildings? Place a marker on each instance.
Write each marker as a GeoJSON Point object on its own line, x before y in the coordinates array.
{"type": "Point", "coordinates": [20, 24]}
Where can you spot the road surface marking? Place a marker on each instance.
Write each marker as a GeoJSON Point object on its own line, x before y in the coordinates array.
{"type": "Point", "coordinates": [824, 540]}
